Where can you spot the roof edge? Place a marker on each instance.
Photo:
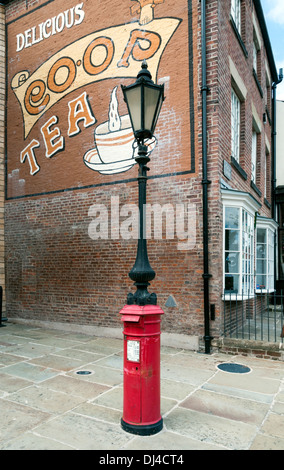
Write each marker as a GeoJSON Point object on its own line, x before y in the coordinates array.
{"type": "Point", "coordinates": [266, 38]}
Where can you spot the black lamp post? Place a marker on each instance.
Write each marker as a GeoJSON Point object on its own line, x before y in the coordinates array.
{"type": "Point", "coordinates": [144, 101]}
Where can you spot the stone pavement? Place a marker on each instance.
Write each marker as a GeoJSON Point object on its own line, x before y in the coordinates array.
{"type": "Point", "coordinates": [46, 405]}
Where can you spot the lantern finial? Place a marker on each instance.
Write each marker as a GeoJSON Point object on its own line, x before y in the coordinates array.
{"type": "Point", "coordinates": [144, 72]}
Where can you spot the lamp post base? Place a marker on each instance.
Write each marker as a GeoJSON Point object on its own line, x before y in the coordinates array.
{"type": "Point", "coordinates": [143, 429]}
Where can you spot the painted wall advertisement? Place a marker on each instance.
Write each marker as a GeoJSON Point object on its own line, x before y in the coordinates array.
{"type": "Point", "coordinates": [67, 124]}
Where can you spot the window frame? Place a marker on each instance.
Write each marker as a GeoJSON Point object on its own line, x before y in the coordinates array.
{"type": "Point", "coordinates": [236, 14]}
{"type": "Point", "coordinates": [268, 84]}
{"type": "Point", "coordinates": [267, 174]}
{"type": "Point", "coordinates": [235, 126]}
{"type": "Point", "coordinates": [244, 254]}
{"type": "Point", "coordinates": [270, 226]}
{"type": "Point", "coordinates": [254, 156]}
{"type": "Point", "coordinates": [256, 54]}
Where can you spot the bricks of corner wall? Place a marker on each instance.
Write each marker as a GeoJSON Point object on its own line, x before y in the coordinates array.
{"type": "Point", "coordinates": [56, 272]}
{"type": "Point", "coordinates": [276, 354]}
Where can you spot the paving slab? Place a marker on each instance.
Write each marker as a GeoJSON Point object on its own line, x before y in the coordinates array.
{"type": "Point", "coordinates": [265, 442]}
{"type": "Point", "coordinates": [185, 374]}
{"type": "Point", "coordinates": [84, 433]}
{"type": "Point", "coordinates": [210, 429]}
{"type": "Point", "coordinates": [11, 340]}
{"type": "Point", "coordinates": [46, 400]}
{"type": "Point", "coordinates": [169, 441]}
{"type": "Point", "coordinates": [17, 419]}
{"type": "Point", "coordinates": [28, 371]}
{"type": "Point", "coordinates": [274, 425]}
{"type": "Point", "coordinates": [59, 363]}
{"type": "Point", "coordinates": [31, 441]}
{"type": "Point", "coordinates": [239, 392]}
{"type": "Point", "coordinates": [75, 386]}
{"type": "Point", "coordinates": [114, 361]}
{"type": "Point", "coordinates": [193, 361]}
{"type": "Point", "coordinates": [101, 413]}
{"type": "Point", "coordinates": [60, 342]}
{"type": "Point", "coordinates": [102, 375]}
{"type": "Point", "coordinates": [170, 389]}
{"type": "Point", "coordinates": [111, 399]}
{"type": "Point", "coordinates": [247, 411]}
{"type": "Point", "coordinates": [29, 350]}
{"type": "Point", "coordinates": [113, 343]}
{"type": "Point", "coordinates": [98, 347]}
{"type": "Point", "coordinates": [251, 382]}
{"type": "Point", "coordinates": [10, 384]}
{"type": "Point", "coordinates": [84, 356]}
{"type": "Point", "coordinates": [7, 359]}
{"type": "Point", "coordinates": [278, 407]}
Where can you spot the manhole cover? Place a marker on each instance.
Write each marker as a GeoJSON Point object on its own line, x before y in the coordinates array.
{"type": "Point", "coordinates": [234, 368]}
{"type": "Point", "coordinates": [83, 372]}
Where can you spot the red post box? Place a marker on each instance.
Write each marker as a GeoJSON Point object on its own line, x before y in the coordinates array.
{"type": "Point", "coordinates": [141, 388]}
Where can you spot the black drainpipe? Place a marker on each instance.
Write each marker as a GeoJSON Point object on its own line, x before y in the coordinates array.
{"type": "Point", "coordinates": [205, 182]}
{"type": "Point", "coordinates": [273, 165]}
{"type": "Point", "coordinates": [274, 85]}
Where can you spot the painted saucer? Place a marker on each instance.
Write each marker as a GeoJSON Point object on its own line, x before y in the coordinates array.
{"type": "Point", "coordinates": [92, 160]}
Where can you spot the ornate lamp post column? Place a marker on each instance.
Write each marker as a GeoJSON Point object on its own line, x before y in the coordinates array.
{"type": "Point", "coordinates": [144, 101]}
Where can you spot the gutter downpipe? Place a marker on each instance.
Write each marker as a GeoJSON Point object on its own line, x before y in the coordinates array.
{"type": "Point", "coordinates": [273, 188]}
{"type": "Point", "coordinates": [274, 85]}
{"type": "Point", "coordinates": [205, 182]}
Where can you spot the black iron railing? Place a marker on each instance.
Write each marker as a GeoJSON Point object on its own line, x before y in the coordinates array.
{"type": "Point", "coordinates": [257, 317]}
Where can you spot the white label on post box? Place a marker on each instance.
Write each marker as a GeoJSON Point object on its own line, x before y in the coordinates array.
{"type": "Point", "coordinates": [133, 351]}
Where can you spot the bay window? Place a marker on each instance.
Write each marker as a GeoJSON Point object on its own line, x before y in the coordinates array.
{"type": "Point", "coordinates": [240, 210]}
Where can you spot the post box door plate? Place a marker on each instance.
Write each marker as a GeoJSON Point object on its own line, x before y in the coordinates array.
{"type": "Point", "coordinates": [133, 351]}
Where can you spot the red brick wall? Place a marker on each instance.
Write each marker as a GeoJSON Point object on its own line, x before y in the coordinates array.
{"type": "Point", "coordinates": [56, 272]}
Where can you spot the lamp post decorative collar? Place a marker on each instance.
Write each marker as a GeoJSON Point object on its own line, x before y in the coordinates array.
{"type": "Point", "coordinates": [144, 100]}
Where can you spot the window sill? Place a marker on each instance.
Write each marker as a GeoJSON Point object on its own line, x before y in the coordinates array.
{"type": "Point", "coordinates": [255, 188]}
{"type": "Point", "coordinates": [236, 297]}
{"type": "Point", "coordinates": [239, 38]}
{"type": "Point", "coordinates": [268, 115]}
{"type": "Point", "coordinates": [264, 291]}
{"type": "Point", "coordinates": [257, 83]}
{"type": "Point", "coordinates": [238, 167]}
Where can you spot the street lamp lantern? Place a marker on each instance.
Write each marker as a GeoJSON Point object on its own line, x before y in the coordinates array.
{"type": "Point", "coordinates": [144, 100]}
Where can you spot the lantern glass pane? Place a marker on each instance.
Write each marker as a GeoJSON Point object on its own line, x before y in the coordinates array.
{"type": "Point", "coordinates": [134, 106]}
{"type": "Point", "coordinates": [151, 98]}
{"type": "Point", "coordinates": [158, 113]}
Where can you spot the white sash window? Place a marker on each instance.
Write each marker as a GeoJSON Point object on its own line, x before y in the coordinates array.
{"type": "Point", "coordinates": [235, 125]}
{"type": "Point", "coordinates": [236, 13]}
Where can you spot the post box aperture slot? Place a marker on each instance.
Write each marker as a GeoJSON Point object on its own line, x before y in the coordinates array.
{"type": "Point", "coordinates": [131, 318]}
{"type": "Point", "coordinates": [133, 350]}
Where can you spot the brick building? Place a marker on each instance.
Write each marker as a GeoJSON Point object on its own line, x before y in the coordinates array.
{"type": "Point", "coordinates": [71, 189]}
{"type": "Point", "coordinates": [279, 196]}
